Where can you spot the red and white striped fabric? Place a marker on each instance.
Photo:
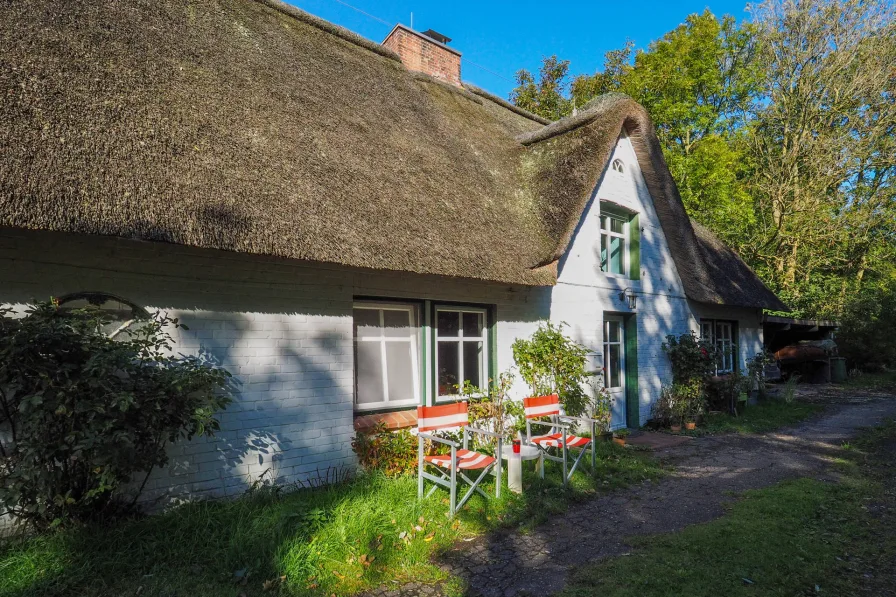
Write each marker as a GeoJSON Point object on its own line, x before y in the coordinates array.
{"type": "Point", "coordinates": [466, 459]}
{"type": "Point", "coordinates": [541, 406]}
{"type": "Point", "coordinates": [555, 440]}
{"type": "Point", "coordinates": [442, 416]}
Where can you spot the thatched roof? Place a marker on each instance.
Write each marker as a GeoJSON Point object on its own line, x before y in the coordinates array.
{"type": "Point", "coordinates": [251, 126]}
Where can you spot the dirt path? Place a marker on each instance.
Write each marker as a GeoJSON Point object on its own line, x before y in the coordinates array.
{"type": "Point", "coordinates": [707, 472]}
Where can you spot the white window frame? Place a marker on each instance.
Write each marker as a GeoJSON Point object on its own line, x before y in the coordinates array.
{"type": "Point", "coordinates": [709, 329]}
{"type": "Point", "coordinates": [606, 343]}
{"type": "Point", "coordinates": [624, 235]}
{"type": "Point", "coordinates": [414, 340]}
{"type": "Point", "coordinates": [618, 166]}
{"type": "Point", "coordinates": [460, 338]}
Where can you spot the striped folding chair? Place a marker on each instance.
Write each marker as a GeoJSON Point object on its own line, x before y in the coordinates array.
{"type": "Point", "coordinates": [451, 466]}
{"type": "Point", "coordinates": [537, 407]}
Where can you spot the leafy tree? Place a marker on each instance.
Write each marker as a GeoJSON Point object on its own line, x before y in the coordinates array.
{"type": "Point", "coordinates": [545, 97]}
{"type": "Point", "coordinates": [823, 147]}
{"type": "Point", "coordinates": [81, 414]}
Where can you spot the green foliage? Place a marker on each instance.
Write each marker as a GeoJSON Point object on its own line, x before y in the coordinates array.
{"type": "Point", "coordinates": [691, 358]}
{"type": "Point", "coordinates": [550, 362]}
{"type": "Point", "coordinates": [679, 403]}
{"type": "Point", "coordinates": [81, 413]}
{"type": "Point", "coordinates": [756, 370]}
{"type": "Point", "coordinates": [546, 96]}
{"type": "Point", "coordinates": [768, 415]}
{"type": "Point", "coordinates": [788, 394]}
{"type": "Point", "coordinates": [492, 409]}
{"type": "Point", "coordinates": [867, 336]}
{"type": "Point", "coordinates": [390, 452]}
{"type": "Point", "coordinates": [722, 393]}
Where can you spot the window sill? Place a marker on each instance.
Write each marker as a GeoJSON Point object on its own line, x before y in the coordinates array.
{"type": "Point", "coordinates": [398, 419]}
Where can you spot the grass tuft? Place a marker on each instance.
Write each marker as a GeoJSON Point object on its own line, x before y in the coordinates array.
{"type": "Point", "coordinates": [768, 415]}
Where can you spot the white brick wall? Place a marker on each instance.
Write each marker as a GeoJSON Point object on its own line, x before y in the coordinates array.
{"type": "Point", "coordinates": [284, 328]}
{"type": "Point", "coordinates": [585, 293]}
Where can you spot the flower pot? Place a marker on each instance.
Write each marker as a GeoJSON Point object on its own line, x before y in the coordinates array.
{"type": "Point", "coordinates": [690, 425]}
{"type": "Point", "coordinates": [619, 441]}
{"type": "Point", "coordinates": [675, 428]}
{"type": "Point", "coordinates": [606, 436]}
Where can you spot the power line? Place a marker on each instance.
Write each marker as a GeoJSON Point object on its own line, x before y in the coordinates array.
{"type": "Point", "coordinates": [366, 14]}
{"type": "Point", "coordinates": [388, 24]}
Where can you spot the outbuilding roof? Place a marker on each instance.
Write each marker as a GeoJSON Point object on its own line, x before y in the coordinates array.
{"type": "Point", "coordinates": [251, 126]}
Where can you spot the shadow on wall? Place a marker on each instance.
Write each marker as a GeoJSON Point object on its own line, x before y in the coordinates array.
{"type": "Point", "coordinates": [281, 327]}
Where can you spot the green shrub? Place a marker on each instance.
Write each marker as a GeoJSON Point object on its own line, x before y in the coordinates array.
{"type": "Point", "coordinates": [550, 362]}
{"type": "Point", "coordinates": [867, 334]}
{"type": "Point", "coordinates": [82, 414]}
{"type": "Point", "coordinates": [690, 357]}
{"type": "Point", "coordinates": [390, 452]}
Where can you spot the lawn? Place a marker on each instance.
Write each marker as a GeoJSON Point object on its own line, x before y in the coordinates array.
{"type": "Point", "coordinates": [885, 380]}
{"type": "Point", "coordinates": [768, 415]}
{"type": "Point", "coordinates": [335, 540]}
{"type": "Point", "coordinates": [802, 537]}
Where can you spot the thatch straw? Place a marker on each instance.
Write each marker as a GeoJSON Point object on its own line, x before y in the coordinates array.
{"type": "Point", "coordinates": [251, 126]}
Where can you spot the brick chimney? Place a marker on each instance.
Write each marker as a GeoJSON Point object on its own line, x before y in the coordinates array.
{"type": "Point", "coordinates": [426, 52]}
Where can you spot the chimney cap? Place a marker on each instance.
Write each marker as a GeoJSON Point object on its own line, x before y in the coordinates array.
{"type": "Point", "coordinates": [442, 39]}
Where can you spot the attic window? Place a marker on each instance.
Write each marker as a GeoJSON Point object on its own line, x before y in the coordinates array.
{"type": "Point", "coordinates": [618, 166]}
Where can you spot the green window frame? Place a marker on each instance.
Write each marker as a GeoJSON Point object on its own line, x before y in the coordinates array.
{"type": "Point", "coordinates": [425, 347]}
{"type": "Point", "coordinates": [620, 232]}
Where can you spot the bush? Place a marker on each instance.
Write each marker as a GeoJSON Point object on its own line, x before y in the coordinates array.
{"type": "Point", "coordinates": [82, 414]}
{"type": "Point", "coordinates": [553, 363]}
{"type": "Point", "coordinates": [867, 335]}
{"type": "Point", "coordinates": [679, 403]}
{"type": "Point", "coordinates": [390, 452]}
{"type": "Point", "coordinates": [691, 358]}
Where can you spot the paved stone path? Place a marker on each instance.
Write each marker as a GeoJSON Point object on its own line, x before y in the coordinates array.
{"type": "Point", "coordinates": [706, 472]}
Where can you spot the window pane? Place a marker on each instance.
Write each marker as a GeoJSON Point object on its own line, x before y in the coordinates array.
{"type": "Point", "coordinates": [603, 222]}
{"type": "Point", "coordinates": [615, 255]}
{"type": "Point", "coordinates": [448, 367]}
{"type": "Point", "coordinates": [367, 323]}
{"type": "Point", "coordinates": [616, 225]}
{"type": "Point", "coordinates": [397, 323]}
{"type": "Point", "coordinates": [612, 331]}
{"type": "Point", "coordinates": [603, 252]}
{"type": "Point", "coordinates": [448, 323]}
{"type": "Point", "coordinates": [369, 372]}
{"type": "Point", "coordinates": [473, 363]}
{"type": "Point", "coordinates": [399, 371]}
{"type": "Point", "coordinates": [615, 368]}
{"type": "Point", "coordinates": [473, 325]}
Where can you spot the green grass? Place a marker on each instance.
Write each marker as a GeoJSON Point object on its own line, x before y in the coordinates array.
{"type": "Point", "coordinates": [885, 380]}
{"type": "Point", "coordinates": [335, 540]}
{"type": "Point", "coordinates": [760, 418]}
{"type": "Point", "coordinates": [802, 537]}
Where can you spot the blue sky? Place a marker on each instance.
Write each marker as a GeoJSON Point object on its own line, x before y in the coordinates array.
{"type": "Point", "coordinates": [507, 36]}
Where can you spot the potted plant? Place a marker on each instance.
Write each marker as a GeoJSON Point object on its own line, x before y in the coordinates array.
{"type": "Point", "coordinates": [603, 409]}
{"type": "Point", "coordinates": [619, 436]}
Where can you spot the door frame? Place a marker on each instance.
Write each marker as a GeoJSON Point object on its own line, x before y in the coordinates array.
{"type": "Point", "coordinates": [621, 392]}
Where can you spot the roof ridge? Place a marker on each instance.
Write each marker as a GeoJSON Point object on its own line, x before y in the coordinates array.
{"type": "Point", "coordinates": [594, 108]}
{"type": "Point", "coordinates": [328, 27]}
{"type": "Point", "coordinates": [505, 104]}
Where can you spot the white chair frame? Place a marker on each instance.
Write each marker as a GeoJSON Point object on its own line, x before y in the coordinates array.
{"type": "Point", "coordinates": [559, 422]}
{"type": "Point", "coordinates": [448, 476]}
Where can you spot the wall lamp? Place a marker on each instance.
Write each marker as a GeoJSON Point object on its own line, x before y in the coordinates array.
{"type": "Point", "coordinates": [632, 299]}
